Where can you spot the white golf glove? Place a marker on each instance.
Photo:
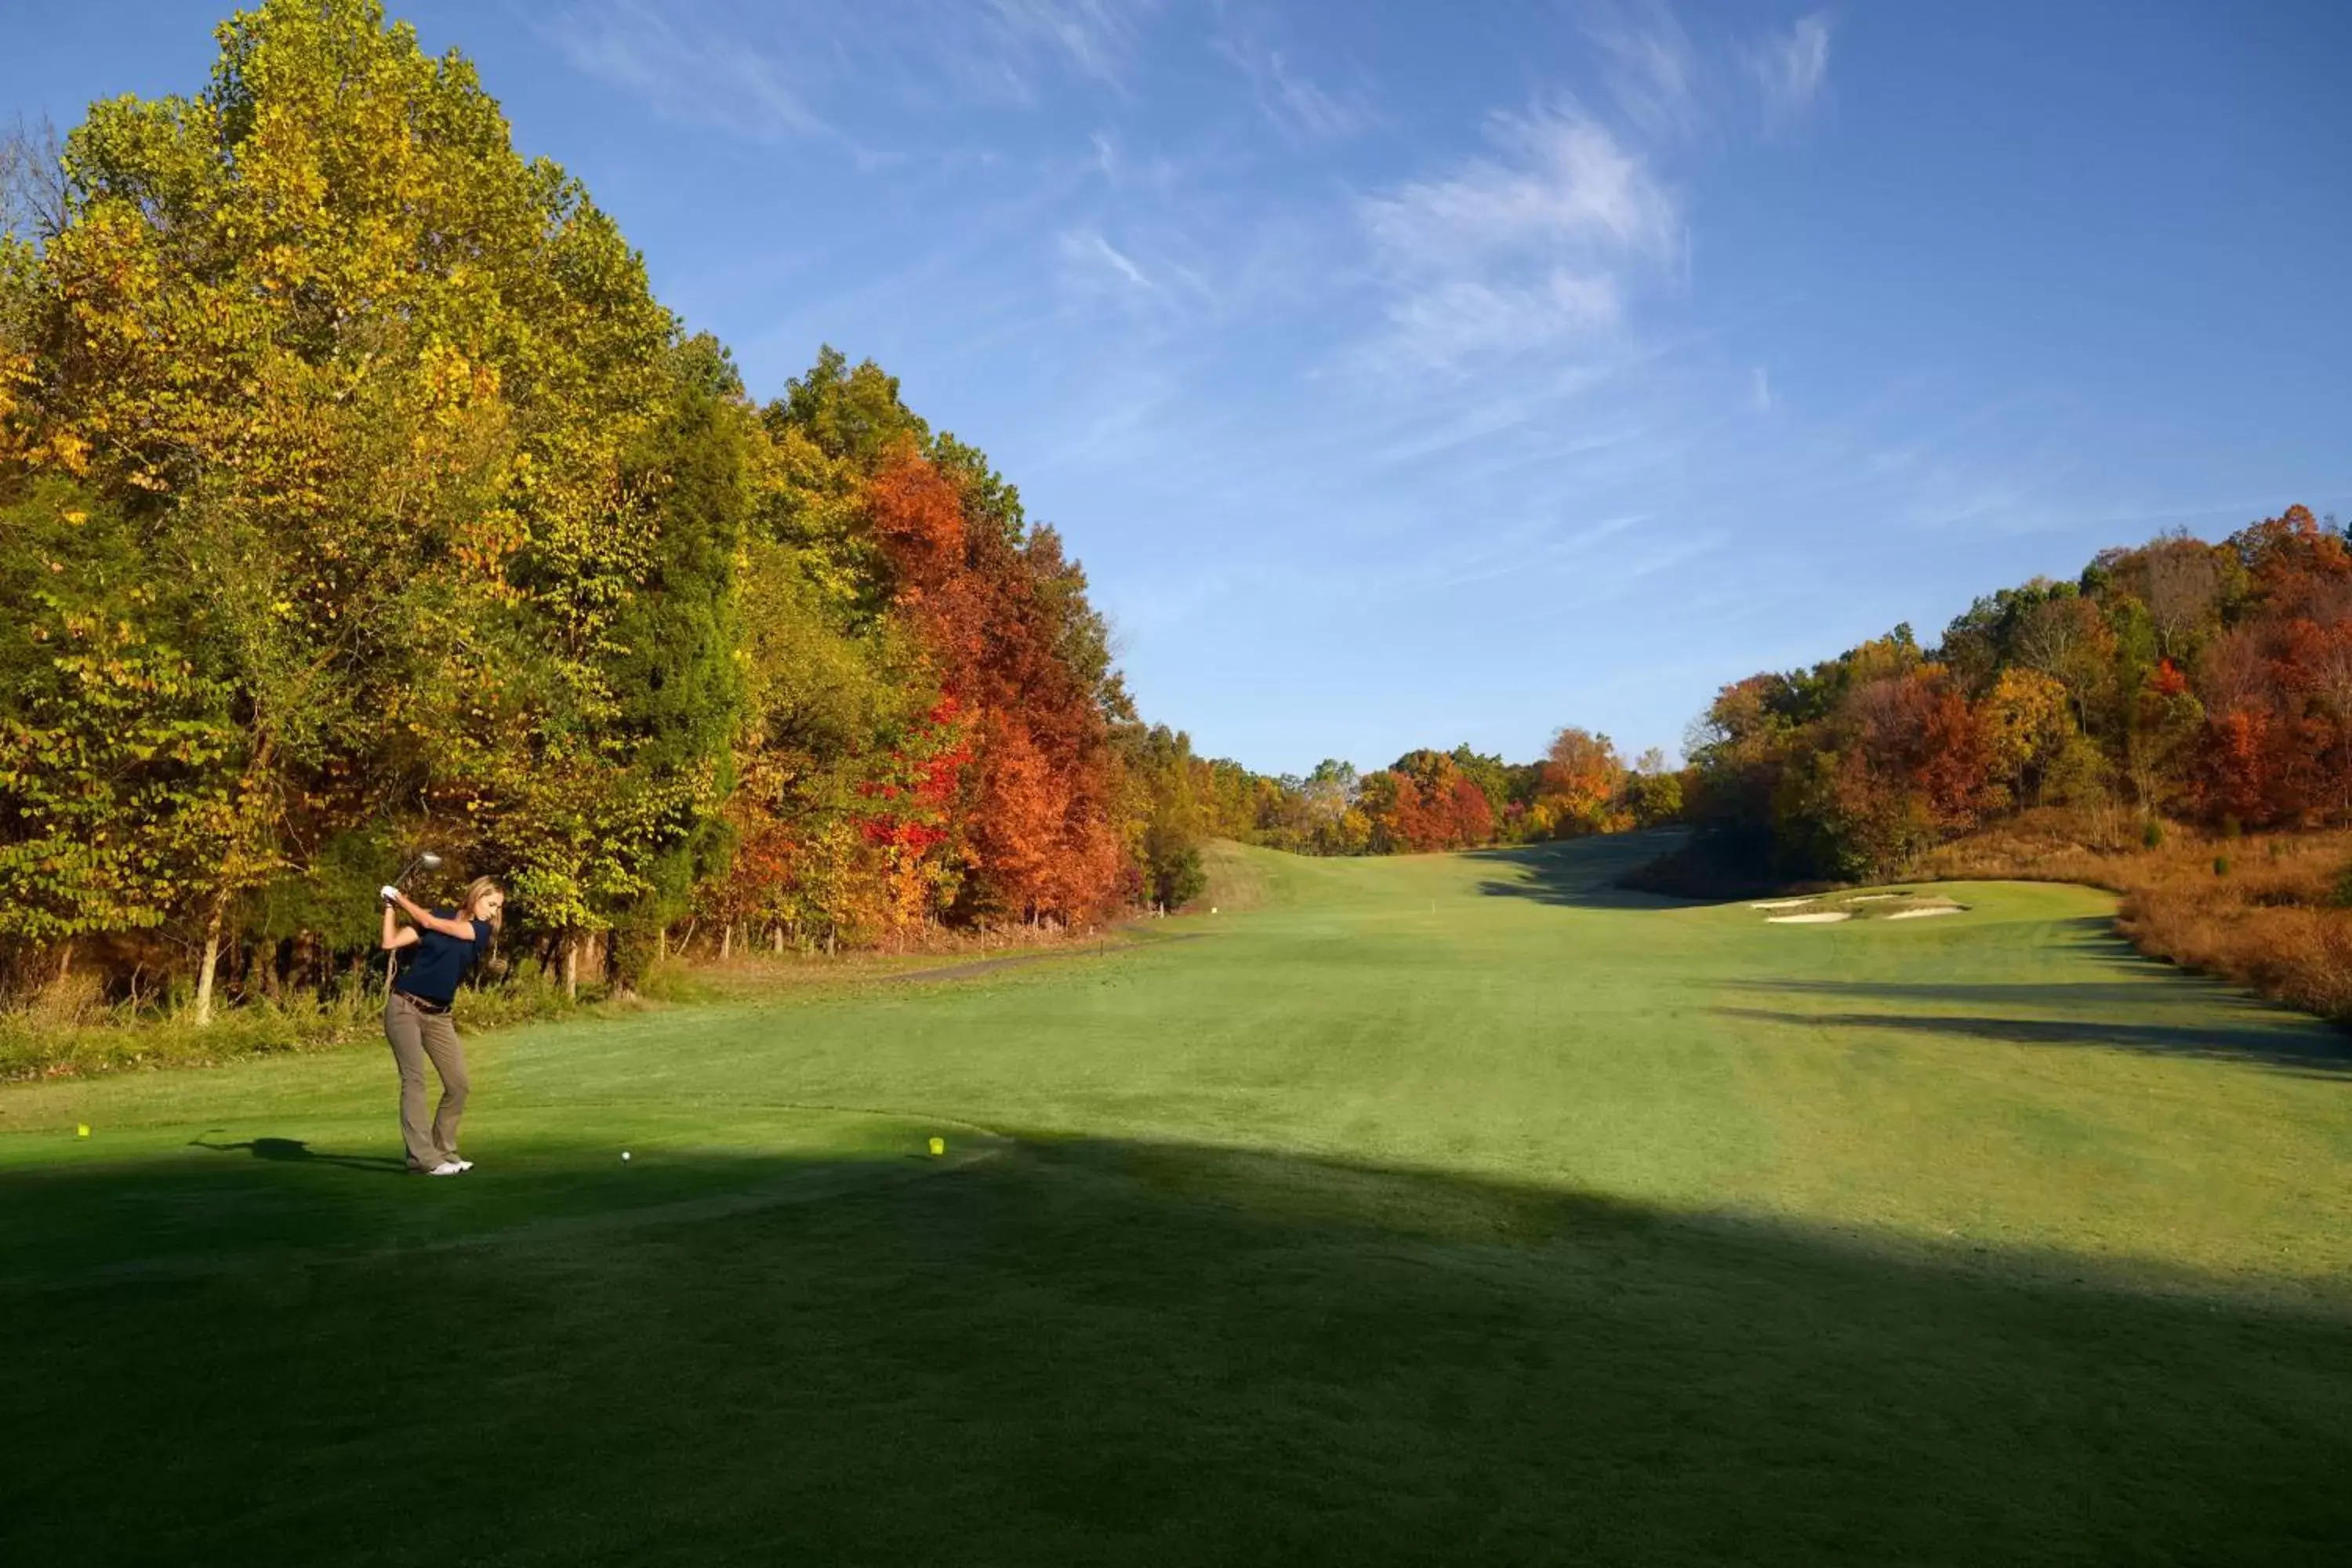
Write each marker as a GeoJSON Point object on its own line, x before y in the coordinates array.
{"type": "Point", "coordinates": [390, 893]}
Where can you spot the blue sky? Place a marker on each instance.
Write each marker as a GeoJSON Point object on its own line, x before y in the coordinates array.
{"type": "Point", "coordinates": [1407, 374]}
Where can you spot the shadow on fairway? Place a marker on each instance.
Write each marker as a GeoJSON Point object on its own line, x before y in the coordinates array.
{"type": "Point", "coordinates": [2160, 988]}
{"type": "Point", "coordinates": [1120, 1352]}
{"type": "Point", "coordinates": [1579, 874]}
{"type": "Point", "coordinates": [2280, 1044]}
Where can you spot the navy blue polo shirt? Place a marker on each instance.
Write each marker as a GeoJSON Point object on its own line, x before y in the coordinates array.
{"type": "Point", "coordinates": [436, 963]}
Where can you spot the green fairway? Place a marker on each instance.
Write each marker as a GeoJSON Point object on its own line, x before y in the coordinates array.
{"type": "Point", "coordinates": [1437, 1209]}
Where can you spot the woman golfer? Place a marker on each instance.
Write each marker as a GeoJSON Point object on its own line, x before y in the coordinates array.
{"type": "Point", "coordinates": [416, 1013]}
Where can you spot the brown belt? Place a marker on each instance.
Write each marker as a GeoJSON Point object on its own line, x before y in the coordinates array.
{"type": "Point", "coordinates": [434, 1009]}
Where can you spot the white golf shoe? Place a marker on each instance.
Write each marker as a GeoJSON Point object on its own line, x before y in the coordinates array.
{"type": "Point", "coordinates": [447, 1168]}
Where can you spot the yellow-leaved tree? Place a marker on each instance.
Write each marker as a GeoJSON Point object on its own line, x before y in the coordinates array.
{"type": "Point", "coordinates": [366, 393]}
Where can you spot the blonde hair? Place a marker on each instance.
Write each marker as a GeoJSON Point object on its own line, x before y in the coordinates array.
{"type": "Point", "coordinates": [478, 888]}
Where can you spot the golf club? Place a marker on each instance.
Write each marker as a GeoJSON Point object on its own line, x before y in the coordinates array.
{"type": "Point", "coordinates": [425, 860]}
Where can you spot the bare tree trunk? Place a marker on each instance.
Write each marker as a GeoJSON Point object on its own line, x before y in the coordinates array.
{"type": "Point", "coordinates": [778, 932]}
{"type": "Point", "coordinates": [65, 963]}
{"type": "Point", "coordinates": [210, 963]}
{"type": "Point", "coordinates": [661, 946]}
{"type": "Point", "coordinates": [726, 942]}
{"type": "Point", "coordinates": [571, 965]}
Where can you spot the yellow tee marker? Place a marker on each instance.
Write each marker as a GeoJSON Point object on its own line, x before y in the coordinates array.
{"type": "Point", "coordinates": [81, 1130]}
{"type": "Point", "coordinates": [938, 1146]}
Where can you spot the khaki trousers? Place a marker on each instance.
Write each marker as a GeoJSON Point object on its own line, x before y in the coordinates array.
{"type": "Point", "coordinates": [416, 1035]}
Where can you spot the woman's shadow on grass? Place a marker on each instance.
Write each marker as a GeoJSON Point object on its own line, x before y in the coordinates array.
{"type": "Point", "coordinates": [294, 1151]}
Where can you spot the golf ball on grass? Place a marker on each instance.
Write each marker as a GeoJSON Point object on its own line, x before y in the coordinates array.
{"type": "Point", "coordinates": [625, 1156]}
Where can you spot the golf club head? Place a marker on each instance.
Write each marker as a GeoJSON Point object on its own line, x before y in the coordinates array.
{"type": "Point", "coordinates": [425, 861]}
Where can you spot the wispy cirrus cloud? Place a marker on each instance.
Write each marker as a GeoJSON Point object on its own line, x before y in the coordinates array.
{"type": "Point", "coordinates": [1653, 72]}
{"type": "Point", "coordinates": [1292, 101]}
{"type": "Point", "coordinates": [1099, 37]}
{"type": "Point", "coordinates": [1461, 317]}
{"type": "Point", "coordinates": [1791, 68]}
{"type": "Point", "coordinates": [1521, 248]}
{"type": "Point", "coordinates": [1558, 177]}
{"type": "Point", "coordinates": [821, 68]}
{"type": "Point", "coordinates": [687, 69]}
{"type": "Point", "coordinates": [1088, 249]}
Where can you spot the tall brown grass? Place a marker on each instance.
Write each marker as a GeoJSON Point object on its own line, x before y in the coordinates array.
{"type": "Point", "coordinates": [2267, 911]}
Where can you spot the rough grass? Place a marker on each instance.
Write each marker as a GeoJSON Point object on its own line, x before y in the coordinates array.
{"type": "Point", "coordinates": [1443, 1209]}
{"type": "Point", "coordinates": [70, 1031]}
{"type": "Point", "coordinates": [75, 1035]}
{"type": "Point", "coordinates": [2267, 911]}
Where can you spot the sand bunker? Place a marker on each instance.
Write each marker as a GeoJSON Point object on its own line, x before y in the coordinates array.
{"type": "Point", "coordinates": [1821, 910]}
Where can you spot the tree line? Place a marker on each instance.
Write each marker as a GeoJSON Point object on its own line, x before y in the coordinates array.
{"type": "Point", "coordinates": [2200, 682]}
{"type": "Point", "coordinates": [2180, 681]}
{"type": "Point", "coordinates": [1426, 800]}
{"type": "Point", "coordinates": [357, 494]}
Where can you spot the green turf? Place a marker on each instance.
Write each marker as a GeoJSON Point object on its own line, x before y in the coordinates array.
{"type": "Point", "coordinates": [1443, 1209]}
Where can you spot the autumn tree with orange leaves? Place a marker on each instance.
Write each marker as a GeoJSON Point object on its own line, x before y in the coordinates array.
{"type": "Point", "coordinates": [2212, 681]}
